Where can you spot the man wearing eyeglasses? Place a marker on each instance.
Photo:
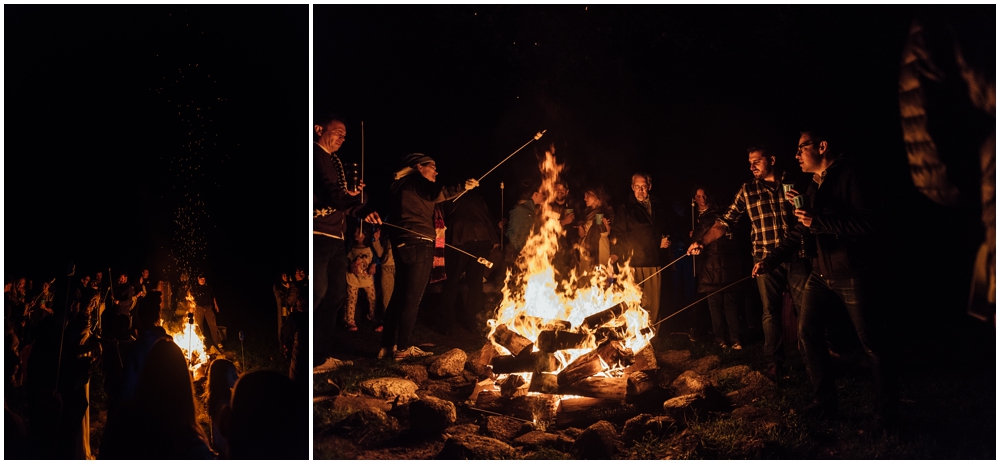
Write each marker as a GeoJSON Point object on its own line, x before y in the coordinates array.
{"type": "Point", "coordinates": [838, 219]}
{"type": "Point", "coordinates": [637, 234]}
{"type": "Point", "coordinates": [771, 218]}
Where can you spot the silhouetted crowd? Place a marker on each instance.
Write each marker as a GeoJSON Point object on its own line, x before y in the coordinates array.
{"type": "Point", "coordinates": [104, 343]}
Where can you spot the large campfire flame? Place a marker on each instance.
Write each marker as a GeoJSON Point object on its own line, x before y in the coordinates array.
{"type": "Point", "coordinates": [533, 301]}
{"type": "Point", "coordinates": [190, 341]}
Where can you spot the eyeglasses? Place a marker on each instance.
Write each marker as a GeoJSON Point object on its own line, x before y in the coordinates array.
{"type": "Point", "coordinates": [806, 144]}
{"type": "Point", "coordinates": [640, 187]}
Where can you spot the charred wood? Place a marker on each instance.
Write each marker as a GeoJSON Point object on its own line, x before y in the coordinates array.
{"type": "Point", "coordinates": [513, 341]}
{"type": "Point", "coordinates": [544, 383]}
{"type": "Point", "coordinates": [613, 388]}
{"type": "Point", "coordinates": [551, 341]}
{"type": "Point", "coordinates": [596, 320]}
{"type": "Point", "coordinates": [526, 362]}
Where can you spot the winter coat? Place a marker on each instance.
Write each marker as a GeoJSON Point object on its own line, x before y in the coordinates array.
{"type": "Point", "coordinates": [718, 264]}
{"type": "Point", "coordinates": [635, 234]}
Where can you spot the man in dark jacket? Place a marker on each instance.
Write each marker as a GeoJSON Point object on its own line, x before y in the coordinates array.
{"type": "Point", "coordinates": [332, 202]}
{"type": "Point", "coordinates": [414, 194]}
{"type": "Point", "coordinates": [470, 228]}
{"type": "Point", "coordinates": [637, 234]}
{"type": "Point", "coordinates": [836, 219]}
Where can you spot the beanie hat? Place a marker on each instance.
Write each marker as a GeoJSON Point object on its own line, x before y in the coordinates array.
{"type": "Point", "coordinates": [414, 159]}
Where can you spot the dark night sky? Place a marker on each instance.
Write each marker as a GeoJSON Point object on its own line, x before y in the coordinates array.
{"type": "Point", "coordinates": [679, 91]}
{"type": "Point", "coordinates": [126, 122]}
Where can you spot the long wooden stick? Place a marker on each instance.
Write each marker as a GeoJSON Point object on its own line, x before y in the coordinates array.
{"type": "Point", "coordinates": [536, 137]}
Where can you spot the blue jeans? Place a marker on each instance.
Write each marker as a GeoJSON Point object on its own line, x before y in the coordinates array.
{"type": "Point", "coordinates": [330, 294]}
{"type": "Point", "coordinates": [413, 272]}
{"type": "Point", "coordinates": [823, 296]}
{"type": "Point", "coordinates": [792, 276]}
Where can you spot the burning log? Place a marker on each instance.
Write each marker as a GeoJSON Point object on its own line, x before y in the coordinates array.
{"type": "Point", "coordinates": [551, 341]}
{"type": "Point", "coordinates": [590, 364]}
{"type": "Point", "coordinates": [513, 386]}
{"type": "Point", "coordinates": [599, 319]}
{"type": "Point", "coordinates": [638, 383]}
{"type": "Point", "coordinates": [583, 410]}
{"type": "Point", "coordinates": [529, 408]}
{"type": "Point", "coordinates": [544, 383]}
{"type": "Point", "coordinates": [525, 362]}
{"type": "Point", "coordinates": [644, 360]}
{"type": "Point", "coordinates": [612, 388]}
{"type": "Point", "coordinates": [513, 341]}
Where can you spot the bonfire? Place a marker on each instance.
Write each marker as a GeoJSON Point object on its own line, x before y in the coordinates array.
{"type": "Point", "coordinates": [570, 338]}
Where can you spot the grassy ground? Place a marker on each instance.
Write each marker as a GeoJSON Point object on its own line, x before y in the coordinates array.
{"type": "Point", "coordinates": [948, 403]}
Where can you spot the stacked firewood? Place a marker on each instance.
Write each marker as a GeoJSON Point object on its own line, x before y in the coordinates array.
{"type": "Point", "coordinates": [611, 371]}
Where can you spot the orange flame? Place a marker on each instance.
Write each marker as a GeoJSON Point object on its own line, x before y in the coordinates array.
{"type": "Point", "coordinates": [535, 292]}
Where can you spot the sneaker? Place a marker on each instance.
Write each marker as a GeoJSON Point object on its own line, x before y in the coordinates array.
{"type": "Point", "coordinates": [351, 327]}
{"type": "Point", "coordinates": [721, 344]}
{"type": "Point", "coordinates": [411, 352]}
{"type": "Point", "coordinates": [331, 364]}
{"type": "Point", "coordinates": [737, 346]}
{"type": "Point", "coordinates": [386, 352]}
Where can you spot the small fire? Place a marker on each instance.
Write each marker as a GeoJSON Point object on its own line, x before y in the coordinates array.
{"type": "Point", "coordinates": [191, 343]}
{"type": "Point", "coordinates": [534, 302]}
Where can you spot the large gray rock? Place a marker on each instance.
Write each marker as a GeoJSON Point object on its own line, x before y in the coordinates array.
{"type": "Point", "coordinates": [538, 439]}
{"type": "Point", "coordinates": [391, 389]}
{"type": "Point", "coordinates": [449, 364]}
{"type": "Point", "coordinates": [476, 447]}
{"type": "Point", "coordinates": [462, 429]}
{"type": "Point", "coordinates": [415, 372]}
{"type": "Point", "coordinates": [686, 407]}
{"type": "Point", "coordinates": [703, 365]}
{"type": "Point", "coordinates": [690, 382]}
{"type": "Point", "coordinates": [599, 441]}
{"type": "Point", "coordinates": [502, 427]}
{"type": "Point", "coordinates": [728, 373]}
{"type": "Point", "coordinates": [753, 387]}
{"type": "Point", "coordinates": [675, 358]}
{"type": "Point", "coordinates": [636, 428]}
{"type": "Point", "coordinates": [430, 415]}
{"type": "Point", "coordinates": [368, 426]}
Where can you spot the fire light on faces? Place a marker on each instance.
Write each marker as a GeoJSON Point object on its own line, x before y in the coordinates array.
{"type": "Point", "coordinates": [534, 302]}
{"type": "Point", "coordinates": [189, 339]}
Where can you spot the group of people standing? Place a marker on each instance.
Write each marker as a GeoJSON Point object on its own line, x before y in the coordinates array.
{"type": "Point", "coordinates": [809, 239]}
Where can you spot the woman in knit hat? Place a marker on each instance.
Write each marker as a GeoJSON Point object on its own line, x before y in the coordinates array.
{"type": "Point", "coordinates": [415, 192]}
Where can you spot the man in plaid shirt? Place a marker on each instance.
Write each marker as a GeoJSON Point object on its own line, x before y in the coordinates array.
{"type": "Point", "coordinates": [762, 199]}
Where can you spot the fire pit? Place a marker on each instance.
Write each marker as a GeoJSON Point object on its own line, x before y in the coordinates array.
{"type": "Point", "coordinates": [557, 345]}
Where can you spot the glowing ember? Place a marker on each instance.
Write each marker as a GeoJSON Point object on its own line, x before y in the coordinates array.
{"type": "Point", "coordinates": [533, 302]}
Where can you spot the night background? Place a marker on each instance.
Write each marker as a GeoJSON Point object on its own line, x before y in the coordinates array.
{"type": "Point", "coordinates": [163, 137]}
{"type": "Point", "coordinates": [678, 91]}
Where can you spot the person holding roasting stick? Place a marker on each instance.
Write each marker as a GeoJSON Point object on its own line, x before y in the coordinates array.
{"type": "Point", "coordinates": [414, 193]}
{"type": "Point", "coordinates": [332, 203]}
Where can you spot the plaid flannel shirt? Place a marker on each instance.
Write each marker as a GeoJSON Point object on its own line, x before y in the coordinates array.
{"type": "Point", "coordinates": [771, 217]}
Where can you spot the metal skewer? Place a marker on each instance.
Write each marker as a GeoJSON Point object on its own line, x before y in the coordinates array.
{"type": "Point", "coordinates": [699, 301]}
{"type": "Point", "coordinates": [483, 261]}
{"type": "Point", "coordinates": [536, 137]}
{"type": "Point", "coordinates": [662, 269]}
